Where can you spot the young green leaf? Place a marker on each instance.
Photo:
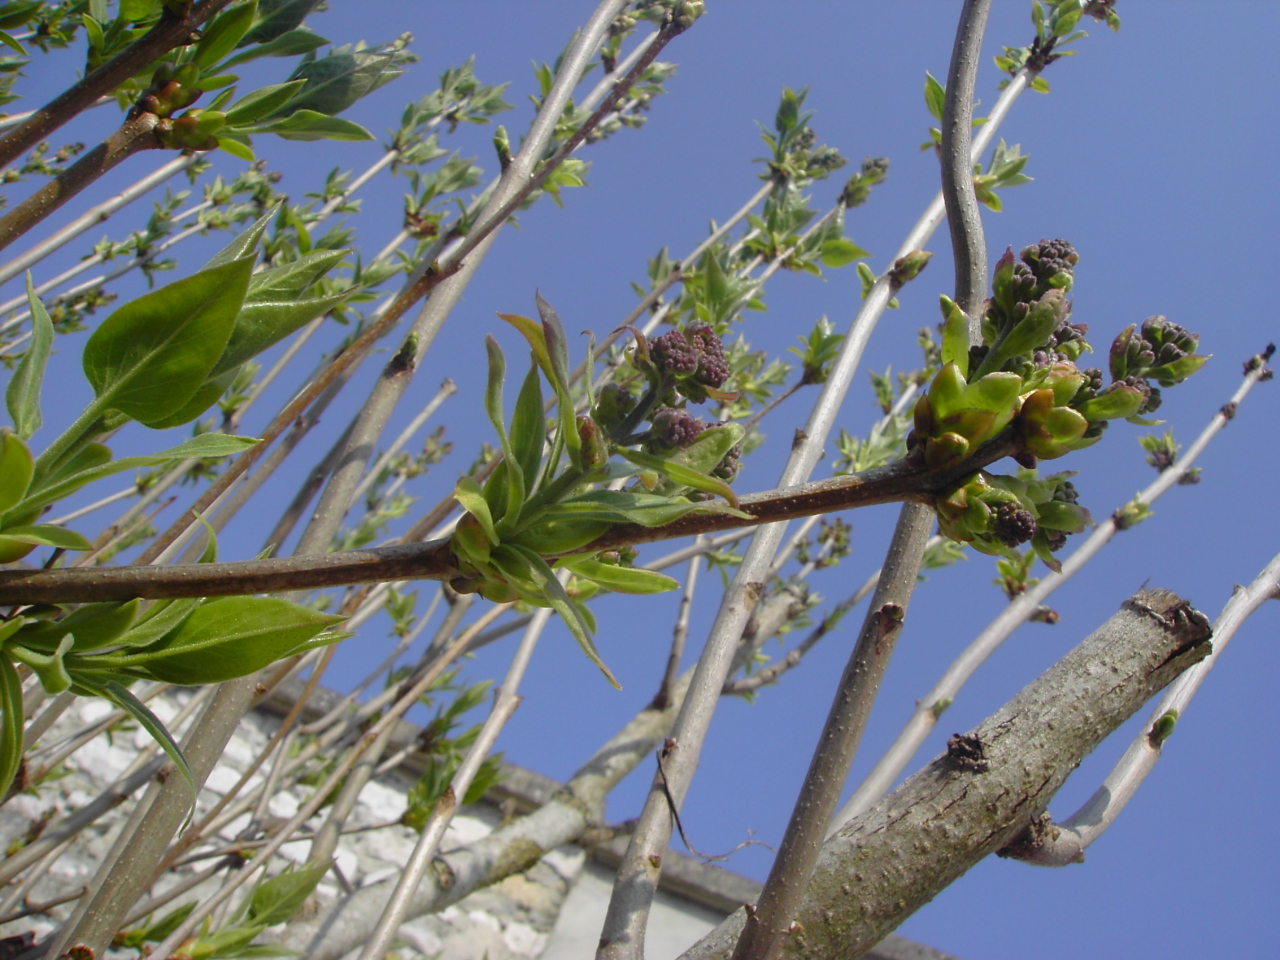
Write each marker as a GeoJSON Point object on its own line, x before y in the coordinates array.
{"type": "Point", "coordinates": [277, 900]}
{"type": "Point", "coordinates": [569, 612]}
{"type": "Point", "coordinates": [45, 535]}
{"type": "Point", "coordinates": [23, 394]}
{"type": "Point", "coordinates": [121, 696]}
{"type": "Point", "coordinates": [89, 465]}
{"type": "Point", "coordinates": [10, 724]}
{"type": "Point", "coordinates": [514, 480]}
{"type": "Point", "coordinates": [151, 356]}
{"type": "Point", "coordinates": [935, 96]}
{"type": "Point", "coordinates": [48, 667]}
{"type": "Point", "coordinates": [468, 493]}
{"type": "Point", "coordinates": [224, 639]}
{"type": "Point", "coordinates": [16, 467]}
{"type": "Point", "coordinates": [94, 625]}
{"type": "Point", "coordinates": [221, 36]}
{"type": "Point", "coordinates": [309, 125]}
{"type": "Point", "coordinates": [681, 474]}
{"type": "Point", "coordinates": [623, 579]}
{"type": "Point", "coordinates": [290, 44]}
{"type": "Point", "coordinates": [529, 428]}
{"type": "Point", "coordinates": [252, 107]}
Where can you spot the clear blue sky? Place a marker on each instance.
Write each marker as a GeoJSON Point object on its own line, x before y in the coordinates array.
{"type": "Point", "coordinates": [1154, 154]}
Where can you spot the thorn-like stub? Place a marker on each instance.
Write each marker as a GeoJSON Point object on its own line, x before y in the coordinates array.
{"type": "Point", "coordinates": [1025, 845]}
{"type": "Point", "coordinates": [968, 752]}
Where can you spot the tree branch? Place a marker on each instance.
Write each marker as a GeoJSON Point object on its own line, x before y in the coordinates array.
{"type": "Point", "coordinates": [971, 801]}
{"type": "Point", "coordinates": [433, 560]}
{"type": "Point", "coordinates": [172, 31]}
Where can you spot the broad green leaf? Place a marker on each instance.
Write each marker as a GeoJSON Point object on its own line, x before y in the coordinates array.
{"type": "Point", "coordinates": [203, 399]}
{"type": "Point", "coordinates": [514, 567]}
{"type": "Point", "coordinates": [121, 696]}
{"type": "Point", "coordinates": [64, 482]}
{"type": "Point", "coordinates": [468, 493]}
{"type": "Point", "coordinates": [678, 472]}
{"type": "Point", "coordinates": [252, 107]}
{"type": "Point", "coordinates": [646, 509]}
{"type": "Point", "coordinates": [221, 36]}
{"type": "Point", "coordinates": [569, 612]}
{"type": "Point", "coordinates": [289, 281]}
{"type": "Point", "coordinates": [262, 325]}
{"type": "Point", "coordinates": [339, 79]}
{"type": "Point", "coordinates": [150, 357]}
{"type": "Point", "coordinates": [245, 243]}
{"type": "Point", "coordinates": [227, 638]}
{"type": "Point", "coordinates": [10, 724]}
{"type": "Point", "coordinates": [310, 125]}
{"type": "Point", "coordinates": [529, 428]}
{"type": "Point", "coordinates": [94, 625]}
{"type": "Point", "coordinates": [559, 534]}
{"type": "Point", "coordinates": [23, 394]}
{"type": "Point", "coordinates": [45, 535]}
{"type": "Point", "coordinates": [16, 467]}
{"type": "Point", "coordinates": [278, 900]}
{"type": "Point", "coordinates": [623, 579]}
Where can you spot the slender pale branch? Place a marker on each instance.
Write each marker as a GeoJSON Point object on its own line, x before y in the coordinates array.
{"type": "Point", "coordinates": [930, 707]}
{"type": "Point", "coordinates": [172, 30]}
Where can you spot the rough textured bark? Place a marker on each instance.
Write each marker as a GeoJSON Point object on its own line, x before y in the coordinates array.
{"type": "Point", "coordinates": [990, 785]}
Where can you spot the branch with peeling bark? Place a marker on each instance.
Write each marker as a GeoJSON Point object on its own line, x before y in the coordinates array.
{"type": "Point", "coordinates": [972, 801]}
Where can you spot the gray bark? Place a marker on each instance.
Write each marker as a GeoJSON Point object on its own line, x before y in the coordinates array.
{"type": "Point", "coordinates": [890, 861]}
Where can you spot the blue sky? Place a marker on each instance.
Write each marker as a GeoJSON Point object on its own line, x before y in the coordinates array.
{"type": "Point", "coordinates": [1154, 154]}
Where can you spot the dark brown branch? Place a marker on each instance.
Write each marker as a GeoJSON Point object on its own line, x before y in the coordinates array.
{"type": "Point", "coordinates": [171, 31]}
{"type": "Point", "coordinates": [967, 804]}
{"type": "Point", "coordinates": [133, 137]}
{"type": "Point", "coordinates": [897, 482]}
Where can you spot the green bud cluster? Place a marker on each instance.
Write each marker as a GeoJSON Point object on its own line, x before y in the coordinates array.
{"type": "Point", "coordinates": [171, 89]}
{"type": "Point", "coordinates": [858, 188]}
{"type": "Point", "coordinates": [996, 514]}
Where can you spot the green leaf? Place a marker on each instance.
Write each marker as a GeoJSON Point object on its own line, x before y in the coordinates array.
{"type": "Point", "coordinates": [468, 493]}
{"type": "Point", "coordinates": [23, 394]}
{"type": "Point", "coordinates": [48, 667]}
{"type": "Point", "coordinates": [279, 899]}
{"type": "Point", "coordinates": [278, 17]}
{"type": "Point", "coordinates": [569, 612]}
{"type": "Point", "coordinates": [290, 44]}
{"type": "Point", "coordinates": [262, 325]}
{"type": "Point", "coordinates": [310, 125]}
{"type": "Point", "coordinates": [1116, 403]}
{"type": "Point", "coordinates": [221, 36]}
{"type": "Point", "coordinates": [237, 148]}
{"type": "Point", "coordinates": [45, 535]}
{"type": "Point", "coordinates": [204, 398]}
{"type": "Point", "coordinates": [935, 96]}
{"type": "Point", "coordinates": [646, 509]}
{"type": "Point", "coordinates": [840, 252]}
{"type": "Point", "coordinates": [94, 625]}
{"type": "Point", "coordinates": [493, 406]}
{"type": "Point", "coordinates": [150, 357]}
{"type": "Point", "coordinates": [16, 468]}
{"type": "Point", "coordinates": [262, 103]}
{"type": "Point", "coordinates": [227, 638]}
{"type": "Point", "coordinates": [955, 335]}
{"type": "Point", "coordinates": [135, 10]}
{"type": "Point", "coordinates": [558, 373]}
{"type": "Point", "coordinates": [246, 242]}
{"type": "Point", "coordinates": [529, 427]}
{"type": "Point", "coordinates": [121, 696]}
{"type": "Point", "coordinates": [10, 724]}
{"type": "Point", "coordinates": [159, 619]}
{"type": "Point", "coordinates": [681, 474]}
{"type": "Point", "coordinates": [623, 579]}
{"type": "Point", "coordinates": [66, 481]}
